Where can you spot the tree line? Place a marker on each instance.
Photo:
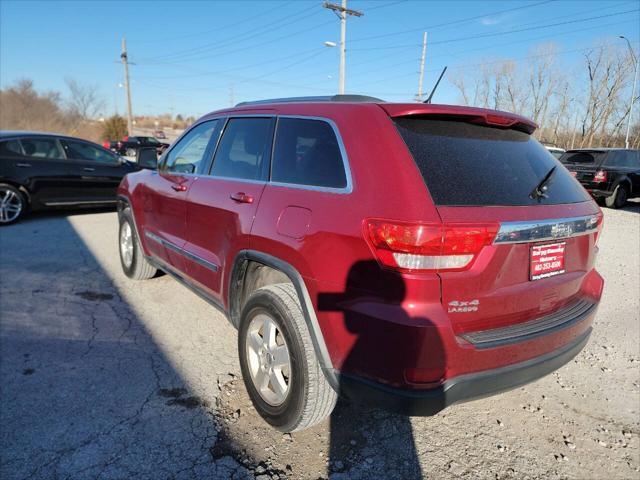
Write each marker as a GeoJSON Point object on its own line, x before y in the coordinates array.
{"type": "Point", "coordinates": [576, 106]}
{"type": "Point", "coordinates": [77, 112]}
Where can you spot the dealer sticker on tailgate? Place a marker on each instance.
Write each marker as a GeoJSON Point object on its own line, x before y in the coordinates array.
{"type": "Point", "coordinates": [547, 260]}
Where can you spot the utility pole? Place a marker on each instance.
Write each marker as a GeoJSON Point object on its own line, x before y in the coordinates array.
{"type": "Point", "coordinates": [424, 53]}
{"type": "Point", "coordinates": [633, 90]}
{"type": "Point", "coordinates": [342, 12]}
{"type": "Point", "coordinates": [125, 62]}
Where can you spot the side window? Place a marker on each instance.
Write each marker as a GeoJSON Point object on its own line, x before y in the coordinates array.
{"type": "Point", "coordinates": [10, 148]}
{"type": "Point", "coordinates": [42, 148]}
{"type": "Point", "coordinates": [621, 158]}
{"type": "Point", "coordinates": [244, 149]}
{"type": "Point", "coordinates": [188, 155]}
{"type": "Point", "coordinates": [84, 151]}
{"type": "Point", "coordinates": [306, 152]}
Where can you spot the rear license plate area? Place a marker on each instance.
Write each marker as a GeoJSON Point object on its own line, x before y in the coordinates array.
{"type": "Point", "coordinates": [546, 260]}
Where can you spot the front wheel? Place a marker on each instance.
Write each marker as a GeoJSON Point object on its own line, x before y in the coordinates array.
{"type": "Point", "coordinates": [618, 199]}
{"type": "Point", "coordinates": [132, 259]}
{"type": "Point", "coordinates": [12, 204]}
{"type": "Point", "coordinates": [279, 366]}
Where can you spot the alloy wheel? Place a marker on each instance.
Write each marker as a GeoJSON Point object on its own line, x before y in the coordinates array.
{"type": "Point", "coordinates": [268, 359]}
{"type": "Point", "coordinates": [126, 244]}
{"type": "Point", "coordinates": [10, 205]}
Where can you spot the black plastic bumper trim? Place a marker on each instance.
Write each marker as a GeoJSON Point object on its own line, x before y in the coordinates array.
{"type": "Point", "coordinates": [549, 324]}
{"type": "Point", "coordinates": [459, 389]}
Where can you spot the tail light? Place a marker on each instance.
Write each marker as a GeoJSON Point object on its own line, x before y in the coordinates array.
{"type": "Point", "coordinates": [105, 144]}
{"type": "Point", "coordinates": [600, 176]}
{"type": "Point", "coordinates": [431, 247]}
{"type": "Point", "coordinates": [600, 220]}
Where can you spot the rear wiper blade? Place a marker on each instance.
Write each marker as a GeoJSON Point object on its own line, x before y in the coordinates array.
{"type": "Point", "coordinates": [539, 192]}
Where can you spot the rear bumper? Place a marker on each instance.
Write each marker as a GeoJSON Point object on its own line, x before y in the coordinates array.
{"type": "Point", "coordinates": [461, 388]}
{"type": "Point", "coordinates": [597, 193]}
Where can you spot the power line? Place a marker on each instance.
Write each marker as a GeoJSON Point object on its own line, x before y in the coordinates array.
{"type": "Point", "coordinates": [495, 34]}
{"type": "Point", "coordinates": [216, 29]}
{"type": "Point", "coordinates": [454, 22]}
{"type": "Point", "coordinates": [199, 50]}
{"type": "Point", "coordinates": [416, 46]}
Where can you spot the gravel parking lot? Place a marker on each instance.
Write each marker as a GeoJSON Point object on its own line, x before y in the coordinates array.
{"type": "Point", "coordinates": [102, 377]}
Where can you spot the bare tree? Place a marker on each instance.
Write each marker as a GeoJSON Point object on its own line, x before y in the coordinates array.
{"type": "Point", "coordinates": [84, 101]}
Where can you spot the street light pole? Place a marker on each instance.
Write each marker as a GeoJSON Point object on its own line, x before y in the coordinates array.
{"type": "Point", "coordinates": [633, 90]}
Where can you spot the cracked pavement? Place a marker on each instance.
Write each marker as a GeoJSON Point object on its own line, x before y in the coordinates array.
{"type": "Point", "coordinates": [103, 377]}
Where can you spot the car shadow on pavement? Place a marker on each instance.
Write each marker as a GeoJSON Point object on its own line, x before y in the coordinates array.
{"type": "Point", "coordinates": [86, 391]}
{"type": "Point", "coordinates": [632, 206]}
{"type": "Point", "coordinates": [386, 447]}
{"type": "Point", "coordinates": [63, 213]}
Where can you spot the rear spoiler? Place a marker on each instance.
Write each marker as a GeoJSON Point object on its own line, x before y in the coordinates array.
{"type": "Point", "coordinates": [481, 116]}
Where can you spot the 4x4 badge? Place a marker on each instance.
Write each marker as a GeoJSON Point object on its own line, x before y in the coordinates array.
{"type": "Point", "coordinates": [463, 306]}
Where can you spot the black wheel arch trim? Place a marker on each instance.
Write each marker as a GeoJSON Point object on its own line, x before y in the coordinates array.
{"type": "Point", "coordinates": [233, 300]}
{"type": "Point", "coordinates": [235, 283]}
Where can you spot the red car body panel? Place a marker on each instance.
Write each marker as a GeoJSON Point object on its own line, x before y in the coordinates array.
{"type": "Point", "coordinates": [390, 327]}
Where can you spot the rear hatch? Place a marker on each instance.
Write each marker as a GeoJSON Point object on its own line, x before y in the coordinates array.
{"type": "Point", "coordinates": [485, 174]}
{"type": "Point", "coordinates": [583, 163]}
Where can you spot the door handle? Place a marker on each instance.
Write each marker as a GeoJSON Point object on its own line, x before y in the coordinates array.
{"type": "Point", "coordinates": [23, 165]}
{"type": "Point", "coordinates": [242, 197]}
{"type": "Point", "coordinates": [89, 169]}
{"type": "Point", "coordinates": [178, 187]}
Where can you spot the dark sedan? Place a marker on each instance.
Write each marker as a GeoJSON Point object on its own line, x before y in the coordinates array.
{"type": "Point", "coordinates": [42, 170]}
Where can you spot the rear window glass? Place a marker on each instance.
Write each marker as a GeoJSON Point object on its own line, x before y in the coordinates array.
{"type": "Point", "coordinates": [42, 148]}
{"type": "Point", "coordinates": [466, 164]}
{"type": "Point", "coordinates": [306, 152]}
{"type": "Point", "coordinates": [10, 148]}
{"type": "Point", "coordinates": [584, 158]}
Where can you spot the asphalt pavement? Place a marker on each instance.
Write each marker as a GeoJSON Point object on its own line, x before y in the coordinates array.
{"type": "Point", "coordinates": [103, 377]}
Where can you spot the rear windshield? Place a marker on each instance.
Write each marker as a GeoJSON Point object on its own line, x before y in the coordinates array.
{"type": "Point", "coordinates": [583, 158]}
{"type": "Point", "coordinates": [466, 164]}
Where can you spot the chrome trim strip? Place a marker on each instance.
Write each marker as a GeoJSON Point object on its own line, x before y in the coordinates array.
{"type": "Point", "coordinates": [543, 230]}
{"type": "Point", "coordinates": [172, 246]}
{"type": "Point", "coordinates": [90, 202]}
{"type": "Point", "coordinates": [343, 153]}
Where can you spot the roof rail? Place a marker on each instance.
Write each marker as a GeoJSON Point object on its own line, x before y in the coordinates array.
{"type": "Point", "coordinates": [326, 98]}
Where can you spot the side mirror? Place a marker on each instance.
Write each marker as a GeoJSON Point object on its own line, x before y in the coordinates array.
{"type": "Point", "coordinates": [147, 158]}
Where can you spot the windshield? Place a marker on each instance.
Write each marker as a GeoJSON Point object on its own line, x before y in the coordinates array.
{"type": "Point", "coordinates": [468, 164]}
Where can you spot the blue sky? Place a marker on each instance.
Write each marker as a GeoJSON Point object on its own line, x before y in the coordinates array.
{"type": "Point", "coordinates": [195, 57]}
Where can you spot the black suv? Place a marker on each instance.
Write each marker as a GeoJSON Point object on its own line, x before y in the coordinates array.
{"type": "Point", "coordinates": [130, 145]}
{"type": "Point", "coordinates": [611, 175]}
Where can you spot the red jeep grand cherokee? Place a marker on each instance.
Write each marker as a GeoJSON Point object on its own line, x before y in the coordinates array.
{"type": "Point", "coordinates": [409, 255]}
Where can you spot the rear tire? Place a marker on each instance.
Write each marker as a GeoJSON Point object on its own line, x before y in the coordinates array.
{"type": "Point", "coordinates": [13, 204]}
{"type": "Point", "coordinates": [308, 398]}
{"type": "Point", "coordinates": [618, 199]}
{"type": "Point", "coordinates": [132, 259]}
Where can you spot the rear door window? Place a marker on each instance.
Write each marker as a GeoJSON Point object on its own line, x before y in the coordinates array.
{"type": "Point", "coordinates": [623, 158]}
{"type": "Point", "coordinates": [84, 151]}
{"type": "Point", "coordinates": [42, 148]}
{"type": "Point", "coordinates": [468, 164]}
{"type": "Point", "coordinates": [306, 152]}
{"type": "Point", "coordinates": [244, 149]}
{"type": "Point", "coordinates": [10, 148]}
